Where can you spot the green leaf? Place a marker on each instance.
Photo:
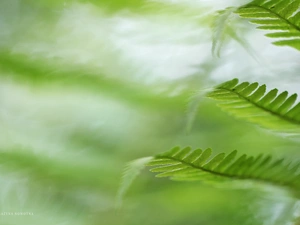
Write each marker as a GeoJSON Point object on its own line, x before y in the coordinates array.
{"type": "Point", "coordinates": [250, 102]}
{"type": "Point", "coordinates": [225, 168]}
{"type": "Point", "coordinates": [280, 18]}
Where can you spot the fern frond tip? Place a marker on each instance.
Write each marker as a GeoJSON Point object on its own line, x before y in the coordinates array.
{"type": "Point", "coordinates": [251, 102]}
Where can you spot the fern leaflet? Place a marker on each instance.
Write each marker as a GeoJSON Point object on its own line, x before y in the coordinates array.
{"type": "Point", "coordinates": [185, 165]}
{"type": "Point", "coordinates": [251, 102]}
{"type": "Point", "coordinates": [280, 17]}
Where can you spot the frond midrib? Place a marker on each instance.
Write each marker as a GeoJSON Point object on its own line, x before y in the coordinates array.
{"type": "Point", "coordinates": [288, 119]}
{"type": "Point", "coordinates": [278, 15]}
{"type": "Point", "coordinates": [241, 177]}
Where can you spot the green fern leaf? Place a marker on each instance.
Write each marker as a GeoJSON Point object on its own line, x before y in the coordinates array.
{"type": "Point", "coordinates": [251, 102]}
{"type": "Point", "coordinates": [280, 17]}
{"type": "Point", "coordinates": [185, 164]}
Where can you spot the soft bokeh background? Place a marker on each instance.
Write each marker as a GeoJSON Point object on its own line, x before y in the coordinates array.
{"type": "Point", "coordinates": [86, 86]}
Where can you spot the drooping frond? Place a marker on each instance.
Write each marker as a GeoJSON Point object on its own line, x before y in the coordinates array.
{"type": "Point", "coordinates": [185, 165]}
{"type": "Point", "coordinates": [224, 26]}
{"type": "Point", "coordinates": [251, 102]}
{"type": "Point", "coordinates": [132, 170]}
{"type": "Point", "coordinates": [280, 17]}
{"type": "Point", "coordinates": [220, 29]}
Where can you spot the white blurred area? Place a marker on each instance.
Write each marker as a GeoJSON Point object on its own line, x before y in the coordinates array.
{"type": "Point", "coordinates": [154, 47]}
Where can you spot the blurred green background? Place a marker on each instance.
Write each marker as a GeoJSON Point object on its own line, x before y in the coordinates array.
{"type": "Point", "coordinates": [89, 85]}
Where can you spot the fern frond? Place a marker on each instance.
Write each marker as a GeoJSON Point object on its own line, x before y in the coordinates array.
{"type": "Point", "coordinates": [251, 102]}
{"type": "Point", "coordinates": [280, 17]}
{"type": "Point", "coordinates": [185, 165]}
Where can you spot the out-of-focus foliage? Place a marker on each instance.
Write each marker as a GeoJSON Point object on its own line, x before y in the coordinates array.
{"type": "Point", "coordinates": [86, 86]}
